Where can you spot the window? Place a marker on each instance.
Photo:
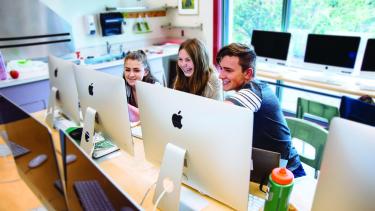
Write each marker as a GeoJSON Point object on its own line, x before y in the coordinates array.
{"type": "Point", "coordinates": [300, 17]}
{"type": "Point", "coordinates": [246, 15]}
{"type": "Point", "coordinates": [342, 17]}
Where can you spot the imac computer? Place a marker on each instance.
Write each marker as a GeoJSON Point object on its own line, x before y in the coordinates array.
{"type": "Point", "coordinates": [63, 98]}
{"type": "Point", "coordinates": [271, 47]}
{"type": "Point", "coordinates": [331, 53]}
{"type": "Point", "coordinates": [105, 110]}
{"type": "Point", "coordinates": [367, 72]}
{"type": "Point", "coordinates": [207, 141]}
{"type": "Point", "coordinates": [87, 187]}
{"type": "Point", "coordinates": [346, 180]}
{"type": "Point", "coordinates": [34, 154]}
{"type": "Point", "coordinates": [368, 62]}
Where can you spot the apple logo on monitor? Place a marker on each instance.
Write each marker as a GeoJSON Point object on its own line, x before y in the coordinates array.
{"type": "Point", "coordinates": [91, 89]}
{"type": "Point", "coordinates": [56, 70]}
{"type": "Point", "coordinates": [176, 120]}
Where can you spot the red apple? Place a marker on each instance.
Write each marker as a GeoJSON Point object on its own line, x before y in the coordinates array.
{"type": "Point", "coordinates": [14, 74]}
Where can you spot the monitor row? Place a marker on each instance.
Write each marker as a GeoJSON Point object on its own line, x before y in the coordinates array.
{"type": "Point", "coordinates": [335, 52]}
{"type": "Point", "coordinates": [345, 181]}
{"type": "Point", "coordinates": [172, 122]}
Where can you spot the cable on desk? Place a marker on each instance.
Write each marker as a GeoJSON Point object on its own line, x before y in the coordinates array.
{"type": "Point", "coordinates": [159, 198]}
{"type": "Point", "coordinates": [168, 188]}
{"type": "Point", "coordinates": [148, 190]}
{"type": "Point", "coordinates": [9, 181]}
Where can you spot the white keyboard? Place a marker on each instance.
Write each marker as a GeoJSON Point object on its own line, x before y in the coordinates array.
{"type": "Point", "coordinates": [334, 80]}
{"type": "Point", "coordinates": [367, 85]}
{"type": "Point", "coordinates": [255, 203]}
{"type": "Point", "coordinates": [271, 68]}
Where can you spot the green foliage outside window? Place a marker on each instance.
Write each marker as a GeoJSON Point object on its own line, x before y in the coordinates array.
{"type": "Point", "coordinates": [309, 16]}
{"type": "Point", "coordinates": [255, 14]}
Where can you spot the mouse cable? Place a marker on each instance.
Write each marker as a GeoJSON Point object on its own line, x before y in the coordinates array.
{"type": "Point", "coordinates": [159, 198]}
{"type": "Point", "coordinates": [168, 187]}
{"type": "Point", "coordinates": [9, 181]}
{"type": "Point", "coordinates": [148, 190]}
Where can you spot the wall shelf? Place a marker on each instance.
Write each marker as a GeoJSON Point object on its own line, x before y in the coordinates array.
{"type": "Point", "coordinates": [170, 26]}
{"type": "Point", "coordinates": [135, 12]}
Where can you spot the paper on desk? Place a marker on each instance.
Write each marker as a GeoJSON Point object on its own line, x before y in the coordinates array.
{"type": "Point", "coordinates": [137, 131]}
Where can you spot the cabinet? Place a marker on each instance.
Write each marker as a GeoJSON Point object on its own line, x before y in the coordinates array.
{"type": "Point", "coordinates": [31, 97]}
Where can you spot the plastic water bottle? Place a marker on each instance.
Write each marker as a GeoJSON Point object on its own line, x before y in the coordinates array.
{"type": "Point", "coordinates": [3, 70]}
{"type": "Point", "coordinates": [280, 187]}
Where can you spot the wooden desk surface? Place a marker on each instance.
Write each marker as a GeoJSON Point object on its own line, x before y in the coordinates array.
{"type": "Point", "coordinates": [135, 176]}
{"type": "Point", "coordinates": [293, 77]}
{"type": "Point", "coordinates": [14, 193]}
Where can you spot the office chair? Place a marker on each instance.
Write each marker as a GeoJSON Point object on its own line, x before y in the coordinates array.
{"type": "Point", "coordinates": [315, 108]}
{"type": "Point", "coordinates": [358, 111]}
{"type": "Point", "coordinates": [312, 134]}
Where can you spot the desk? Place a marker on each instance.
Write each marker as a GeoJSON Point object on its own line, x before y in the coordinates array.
{"type": "Point", "coordinates": [14, 193]}
{"type": "Point", "coordinates": [135, 176]}
{"type": "Point", "coordinates": [292, 75]}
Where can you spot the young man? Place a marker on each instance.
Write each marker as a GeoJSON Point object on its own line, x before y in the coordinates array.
{"type": "Point", "coordinates": [237, 70]}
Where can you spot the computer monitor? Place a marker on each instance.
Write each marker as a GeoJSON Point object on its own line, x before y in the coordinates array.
{"type": "Point", "coordinates": [346, 180]}
{"type": "Point", "coordinates": [264, 162]}
{"type": "Point", "coordinates": [271, 46]}
{"type": "Point", "coordinates": [331, 53]}
{"type": "Point", "coordinates": [106, 95]}
{"type": "Point", "coordinates": [34, 154]}
{"type": "Point", "coordinates": [368, 62]}
{"type": "Point", "coordinates": [217, 138]}
{"type": "Point", "coordinates": [63, 94]}
{"type": "Point", "coordinates": [102, 193]}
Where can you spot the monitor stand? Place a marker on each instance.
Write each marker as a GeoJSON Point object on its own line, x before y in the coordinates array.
{"type": "Point", "coordinates": [54, 118]}
{"type": "Point", "coordinates": [87, 138]}
{"type": "Point", "coordinates": [50, 116]}
{"type": "Point", "coordinates": [171, 170]}
{"type": "Point", "coordinates": [170, 179]}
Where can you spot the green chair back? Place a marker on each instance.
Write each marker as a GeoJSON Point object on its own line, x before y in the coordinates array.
{"type": "Point", "coordinates": [312, 134]}
{"type": "Point", "coordinates": [315, 108]}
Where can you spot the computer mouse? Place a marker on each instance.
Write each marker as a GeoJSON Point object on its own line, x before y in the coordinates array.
{"type": "Point", "coordinates": [37, 160]}
{"type": "Point", "coordinates": [70, 158]}
{"type": "Point", "coordinates": [76, 134]}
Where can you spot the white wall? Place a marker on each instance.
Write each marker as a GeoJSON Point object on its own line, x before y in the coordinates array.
{"type": "Point", "coordinates": [205, 16]}
{"type": "Point", "coordinates": [73, 12]}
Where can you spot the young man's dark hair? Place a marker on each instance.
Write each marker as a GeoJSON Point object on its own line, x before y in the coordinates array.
{"type": "Point", "coordinates": [270, 131]}
{"type": "Point", "coordinates": [245, 53]}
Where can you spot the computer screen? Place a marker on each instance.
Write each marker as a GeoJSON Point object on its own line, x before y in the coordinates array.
{"type": "Point", "coordinates": [346, 180]}
{"type": "Point", "coordinates": [106, 94]}
{"type": "Point", "coordinates": [368, 62]}
{"type": "Point", "coordinates": [331, 52]}
{"type": "Point", "coordinates": [82, 173]}
{"type": "Point", "coordinates": [61, 76]}
{"type": "Point", "coordinates": [217, 137]}
{"type": "Point", "coordinates": [264, 162]}
{"type": "Point", "coordinates": [34, 154]}
{"type": "Point", "coordinates": [271, 46]}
